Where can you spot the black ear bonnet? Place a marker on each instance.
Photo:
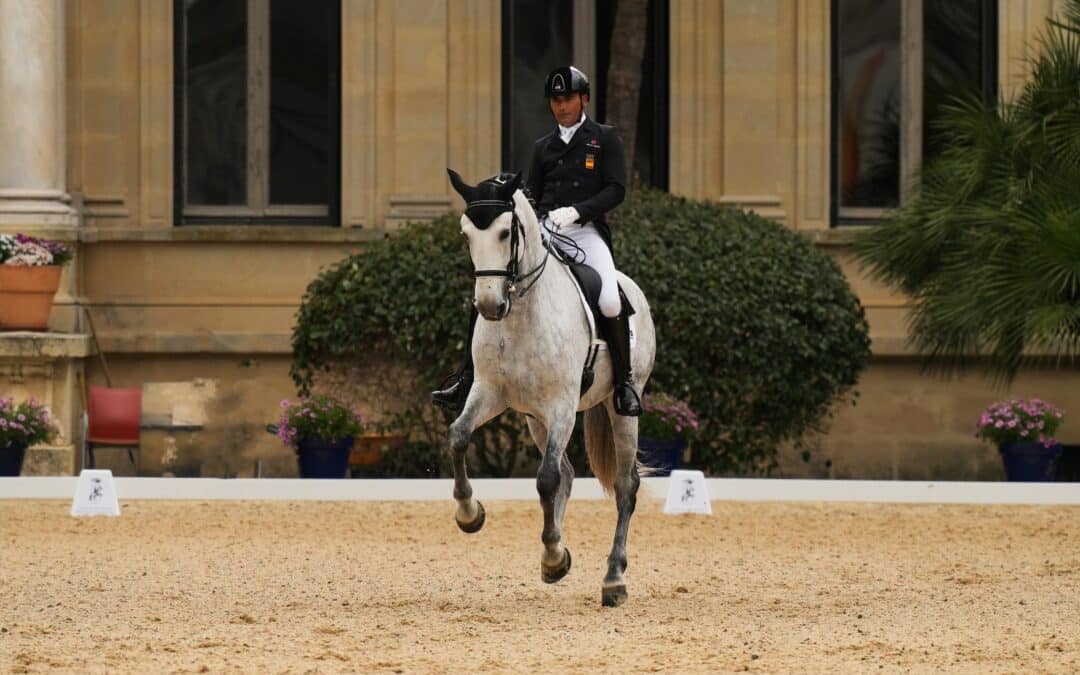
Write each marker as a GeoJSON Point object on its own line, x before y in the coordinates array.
{"type": "Point", "coordinates": [489, 199]}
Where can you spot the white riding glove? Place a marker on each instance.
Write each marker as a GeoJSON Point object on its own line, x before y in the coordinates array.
{"type": "Point", "coordinates": [560, 218]}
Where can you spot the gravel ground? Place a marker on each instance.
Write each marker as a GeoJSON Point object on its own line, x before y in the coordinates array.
{"type": "Point", "coordinates": [275, 587]}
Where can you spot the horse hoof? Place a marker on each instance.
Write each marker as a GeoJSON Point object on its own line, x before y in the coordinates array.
{"type": "Point", "coordinates": [475, 525]}
{"type": "Point", "coordinates": [550, 576]}
{"type": "Point", "coordinates": [613, 596]}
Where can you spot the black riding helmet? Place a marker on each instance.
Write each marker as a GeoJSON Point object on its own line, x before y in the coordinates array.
{"type": "Point", "coordinates": [566, 80]}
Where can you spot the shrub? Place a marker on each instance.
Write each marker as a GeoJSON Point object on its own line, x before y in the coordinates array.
{"type": "Point", "coordinates": [404, 299]}
{"type": "Point", "coordinates": [758, 331]}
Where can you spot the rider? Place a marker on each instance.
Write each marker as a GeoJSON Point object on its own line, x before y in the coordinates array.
{"type": "Point", "coordinates": [578, 174]}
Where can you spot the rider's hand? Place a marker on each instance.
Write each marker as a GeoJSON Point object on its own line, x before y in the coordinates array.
{"type": "Point", "coordinates": [560, 218]}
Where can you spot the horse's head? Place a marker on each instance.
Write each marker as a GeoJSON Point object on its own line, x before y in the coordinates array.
{"type": "Point", "coordinates": [494, 237]}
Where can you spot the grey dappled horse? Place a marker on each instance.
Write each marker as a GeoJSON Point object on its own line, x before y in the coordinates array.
{"type": "Point", "coordinates": [529, 347]}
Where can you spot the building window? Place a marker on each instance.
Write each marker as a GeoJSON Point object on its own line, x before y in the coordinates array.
{"type": "Point", "coordinates": [651, 157]}
{"type": "Point", "coordinates": [894, 63]}
{"type": "Point", "coordinates": [540, 36]}
{"type": "Point", "coordinates": [537, 37]}
{"type": "Point", "coordinates": [257, 111]}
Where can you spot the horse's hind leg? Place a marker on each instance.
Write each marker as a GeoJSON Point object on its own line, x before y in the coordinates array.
{"type": "Point", "coordinates": [479, 408]}
{"type": "Point", "coordinates": [624, 432]}
{"type": "Point", "coordinates": [553, 483]}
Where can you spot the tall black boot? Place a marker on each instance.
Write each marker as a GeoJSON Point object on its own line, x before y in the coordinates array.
{"type": "Point", "coordinates": [455, 389]}
{"type": "Point", "coordinates": [617, 334]}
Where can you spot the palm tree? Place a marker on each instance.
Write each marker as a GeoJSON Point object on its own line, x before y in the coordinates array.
{"type": "Point", "coordinates": [989, 248]}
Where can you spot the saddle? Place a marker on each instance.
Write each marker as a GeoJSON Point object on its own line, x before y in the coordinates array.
{"type": "Point", "coordinates": [588, 284]}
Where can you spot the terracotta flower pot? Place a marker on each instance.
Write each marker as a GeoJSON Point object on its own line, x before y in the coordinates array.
{"type": "Point", "coordinates": [370, 448]}
{"type": "Point", "coordinates": [26, 296]}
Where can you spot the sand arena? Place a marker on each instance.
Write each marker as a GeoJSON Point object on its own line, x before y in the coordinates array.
{"type": "Point", "coordinates": [275, 587]}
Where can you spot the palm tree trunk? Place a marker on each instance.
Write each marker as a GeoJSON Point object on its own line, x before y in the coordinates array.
{"type": "Point", "coordinates": [624, 74]}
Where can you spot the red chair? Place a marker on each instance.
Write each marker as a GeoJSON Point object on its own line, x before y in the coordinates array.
{"type": "Point", "coordinates": [113, 419]}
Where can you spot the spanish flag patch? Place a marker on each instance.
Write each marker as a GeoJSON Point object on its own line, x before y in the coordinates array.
{"type": "Point", "coordinates": [590, 162]}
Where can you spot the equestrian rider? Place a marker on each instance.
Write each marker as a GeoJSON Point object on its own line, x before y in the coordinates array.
{"type": "Point", "coordinates": [578, 174]}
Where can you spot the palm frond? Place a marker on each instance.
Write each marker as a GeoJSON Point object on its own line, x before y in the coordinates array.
{"type": "Point", "coordinates": [989, 249]}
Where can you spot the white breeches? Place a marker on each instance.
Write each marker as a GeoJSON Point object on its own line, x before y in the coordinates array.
{"type": "Point", "coordinates": [598, 257]}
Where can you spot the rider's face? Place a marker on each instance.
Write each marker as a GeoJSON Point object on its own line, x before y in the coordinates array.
{"type": "Point", "coordinates": [567, 109]}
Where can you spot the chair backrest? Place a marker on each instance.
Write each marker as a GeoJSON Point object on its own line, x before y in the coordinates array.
{"type": "Point", "coordinates": [113, 415]}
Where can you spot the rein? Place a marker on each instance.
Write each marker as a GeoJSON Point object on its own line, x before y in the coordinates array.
{"type": "Point", "coordinates": [513, 279]}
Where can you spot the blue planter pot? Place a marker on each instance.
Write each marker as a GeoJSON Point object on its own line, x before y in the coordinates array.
{"type": "Point", "coordinates": [1030, 461]}
{"type": "Point", "coordinates": [11, 458]}
{"type": "Point", "coordinates": [321, 458]}
{"type": "Point", "coordinates": [1068, 470]}
{"type": "Point", "coordinates": [661, 456]}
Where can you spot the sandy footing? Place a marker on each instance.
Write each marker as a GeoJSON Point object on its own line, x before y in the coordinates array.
{"type": "Point", "coordinates": [274, 587]}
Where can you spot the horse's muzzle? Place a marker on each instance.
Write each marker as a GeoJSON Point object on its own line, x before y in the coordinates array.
{"type": "Point", "coordinates": [494, 311]}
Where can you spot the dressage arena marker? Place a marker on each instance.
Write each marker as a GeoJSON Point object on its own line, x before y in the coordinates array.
{"type": "Point", "coordinates": [95, 494]}
{"type": "Point", "coordinates": [441, 489]}
{"type": "Point", "coordinates": [687, 493]}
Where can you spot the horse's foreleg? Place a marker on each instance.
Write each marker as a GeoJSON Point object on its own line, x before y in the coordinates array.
{"type": "Point", "coordinates": [624, 432]}
{"type": "Point", "coordinates": [479, 408]}
{"type": "Point", "coordinates": [553, 483]}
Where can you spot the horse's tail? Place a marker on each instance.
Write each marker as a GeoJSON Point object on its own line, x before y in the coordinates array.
{"type": "Point", "coordinates": [600, 446]}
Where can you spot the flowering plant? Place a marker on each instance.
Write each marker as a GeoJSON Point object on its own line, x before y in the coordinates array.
{"type": "Point", "coordinates": [317, 417]}
{"type": "Point", "coordinates": [666, 417]}
{"type": "Point", "coordinates": [1020, 420]}
{"type": "Point", "coordinates": [27, 251]}
{"type": "Point", "coordinates": [27, 423]}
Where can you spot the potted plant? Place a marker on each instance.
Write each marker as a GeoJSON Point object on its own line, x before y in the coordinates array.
{"type": "Point", "coordinates": [21, 426]}
{"type": "Point", "coordinates": [29, 276]}
{"type": "Point", "coordinates": [1024, 433]}
{"type": "Point", "coordinates": [321, 430]}
{"type": "Point", "coordinates": [664, 430]}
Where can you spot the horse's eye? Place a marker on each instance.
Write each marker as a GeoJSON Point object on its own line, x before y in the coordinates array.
{"type": "Point", "coordinates": [503, 235]}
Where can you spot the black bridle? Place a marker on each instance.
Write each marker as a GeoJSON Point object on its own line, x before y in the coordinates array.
{"type": "Point", "coordinates": [513, 278]}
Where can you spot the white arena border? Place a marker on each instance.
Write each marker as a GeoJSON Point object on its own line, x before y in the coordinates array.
{"type": "Point", "coordinates": [493, 489]}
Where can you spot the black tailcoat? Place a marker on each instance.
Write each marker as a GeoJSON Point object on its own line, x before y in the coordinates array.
{"type": "Point", "coordinates": [588, 173]}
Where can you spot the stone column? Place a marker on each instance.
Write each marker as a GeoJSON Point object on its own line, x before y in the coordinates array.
{"type": "Point", "coordinates": [33, 192]}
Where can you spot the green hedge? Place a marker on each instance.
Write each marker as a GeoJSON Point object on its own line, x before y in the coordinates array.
{"type": "Point", "coordinates": [759, 331]}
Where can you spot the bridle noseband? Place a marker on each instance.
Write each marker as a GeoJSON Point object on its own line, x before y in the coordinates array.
{"type": "Point", "coordinates": [513, 279]}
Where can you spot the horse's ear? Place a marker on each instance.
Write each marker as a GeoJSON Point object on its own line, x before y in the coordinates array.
{"type": "Point", "coordinates": [467, 192]}
{"type": "Point", "coordinates": [515, 183]}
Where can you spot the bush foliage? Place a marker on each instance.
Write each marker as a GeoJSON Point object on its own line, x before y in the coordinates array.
{"type": "Point", "coordinates": [758, 331]}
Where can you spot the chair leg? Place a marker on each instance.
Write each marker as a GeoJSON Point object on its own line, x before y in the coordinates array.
{"type": "Point", "coordinates": [90, 454]}
{"type": "Point", "coordinates": [131, 456]}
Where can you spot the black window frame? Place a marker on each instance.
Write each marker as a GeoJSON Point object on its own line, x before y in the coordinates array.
{"type": "Point", "coordinates": [332, 217]}
{"type": "Point", "coordinates": [989, 54]}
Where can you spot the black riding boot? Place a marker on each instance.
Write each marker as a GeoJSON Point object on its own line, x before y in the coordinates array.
{"type": "Point", "coordinates": [617, 334]}
{"type": "Point", "coordinates": [455, 391]}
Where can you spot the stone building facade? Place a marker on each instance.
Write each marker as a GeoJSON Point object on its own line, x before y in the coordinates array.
{"type": "Point", "coordinates": [193, 294]}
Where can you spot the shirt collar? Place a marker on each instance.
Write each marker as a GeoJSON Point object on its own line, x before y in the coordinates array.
{"type": "Point", "coordinates": [566, 133]}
